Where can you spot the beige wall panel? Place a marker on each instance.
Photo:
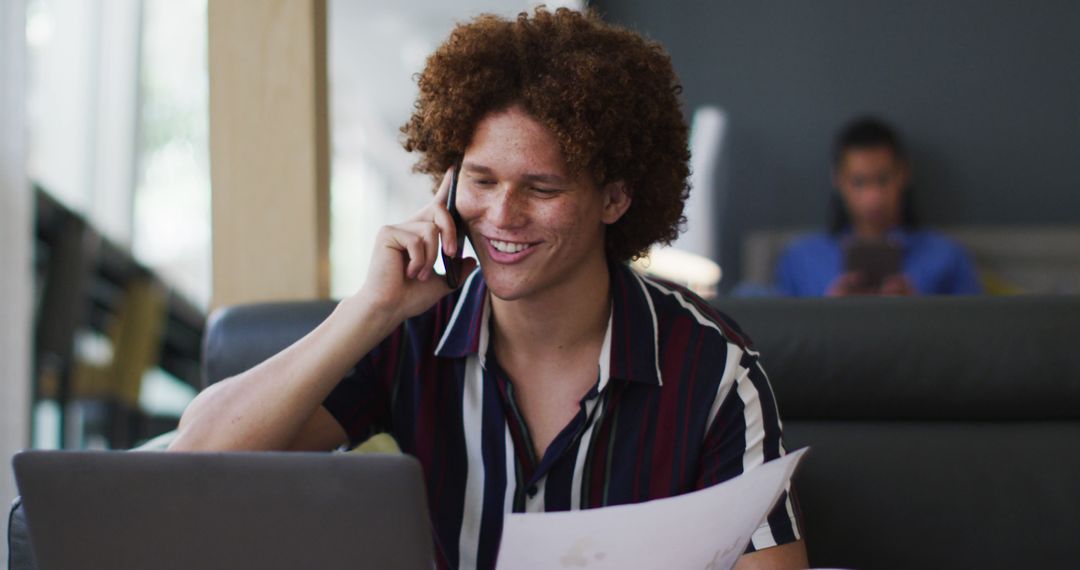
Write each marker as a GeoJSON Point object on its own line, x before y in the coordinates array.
{"type": "Point", "coordinates": [269, 146]}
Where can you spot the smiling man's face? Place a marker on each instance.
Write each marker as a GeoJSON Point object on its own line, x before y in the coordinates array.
{"type": "Point", "coordinates": [534, 224]}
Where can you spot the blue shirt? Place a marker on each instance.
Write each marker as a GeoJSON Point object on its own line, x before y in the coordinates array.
{"type": "Point", "coordinates": [680, 403]}
{"type": "Point", "coordinates": [934, 264]}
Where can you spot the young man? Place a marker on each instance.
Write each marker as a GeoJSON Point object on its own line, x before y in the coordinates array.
{"type": "Point", "coordinates": [555, 378]}
{"type": "Point", "coordinates": [873, 202]}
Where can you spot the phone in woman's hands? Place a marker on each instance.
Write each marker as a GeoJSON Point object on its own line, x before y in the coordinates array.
{"type": "Point", "coordinates": [874, 260]}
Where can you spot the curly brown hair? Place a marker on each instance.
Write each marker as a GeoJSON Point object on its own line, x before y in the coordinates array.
{"type": "Point", "coordinates": [609, 95]}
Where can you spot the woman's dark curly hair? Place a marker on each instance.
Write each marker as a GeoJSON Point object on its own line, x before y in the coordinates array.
{"type": "Point", "coordinates": [609, 96]}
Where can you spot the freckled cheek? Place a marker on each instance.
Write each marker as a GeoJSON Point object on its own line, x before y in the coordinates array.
{"type": "Point", "coordinates": [469, 206]}
{"type": "Point", "coordinates": [564, 223]}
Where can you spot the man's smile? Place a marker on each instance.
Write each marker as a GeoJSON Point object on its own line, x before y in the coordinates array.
{"type": "Point", "coordinates": [506, 252]}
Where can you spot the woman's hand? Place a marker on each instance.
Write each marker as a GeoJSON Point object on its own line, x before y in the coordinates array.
{"type": "Point", "coordinates": [897, 286]}
{"type": "Point", "coordinates": [401, 279]}
{"type": "Point", "coordinates": [847, 284]}
{"type": "Point", "coordinates": [854, 283]}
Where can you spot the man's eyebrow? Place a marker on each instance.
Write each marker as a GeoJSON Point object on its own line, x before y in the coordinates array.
{"type": "Point", "coordinates": [546, 178]}
{"type": "Point", "coordinates": [473, 167]}
{"type": "Point", "coordinates": [533, 177]}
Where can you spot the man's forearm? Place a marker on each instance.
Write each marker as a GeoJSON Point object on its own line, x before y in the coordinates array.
{"type": "Point", "coordinates": [265, 408]}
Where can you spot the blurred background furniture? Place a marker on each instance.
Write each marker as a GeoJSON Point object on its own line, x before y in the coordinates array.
{"type": "Point", "coordinates": [1010, 259]}
{"type": "Point", "coordinates": [103, 321]}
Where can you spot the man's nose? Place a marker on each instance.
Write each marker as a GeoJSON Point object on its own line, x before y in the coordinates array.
{"type": "Point", "coordinates": [876, 197]}
{"type": "Point", "coordinates": [509, 209]}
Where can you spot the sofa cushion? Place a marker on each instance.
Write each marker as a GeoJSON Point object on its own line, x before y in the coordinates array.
{"type": "Point", "coordinates": [939, 494]}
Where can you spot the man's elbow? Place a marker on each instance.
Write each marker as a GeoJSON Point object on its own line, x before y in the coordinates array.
{"type": "Point", "coordinates": [790, 556]}
{"type": "Point", "coordinates": [187, 429]}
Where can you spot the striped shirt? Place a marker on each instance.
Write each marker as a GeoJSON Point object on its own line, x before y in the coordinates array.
{"type": "Point", "coordinates": [681, 402]}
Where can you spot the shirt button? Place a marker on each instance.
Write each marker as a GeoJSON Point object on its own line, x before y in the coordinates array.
{"type": "Point", "coordinates": [532, 491]}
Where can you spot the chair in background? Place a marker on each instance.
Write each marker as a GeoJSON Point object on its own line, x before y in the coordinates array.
{"type": "Point", "coordinates": [93, 293]}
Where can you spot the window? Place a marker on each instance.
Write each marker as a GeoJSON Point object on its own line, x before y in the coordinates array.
{"type": "Point", "coordinates": [172, 196]}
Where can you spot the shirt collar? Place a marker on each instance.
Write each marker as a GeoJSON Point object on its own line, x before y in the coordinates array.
{"type": "Point", "coordinates": [635, 343]}
{"type": "Point", "coordinates": [900, 236]}
{"type": "Point", "coordinates": [631, 346]}
{"type": "Point", "coordinates": [468, 324]}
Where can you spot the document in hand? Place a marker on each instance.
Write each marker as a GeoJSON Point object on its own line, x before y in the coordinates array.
{"type": "Point", "coordinates": [706, 529]}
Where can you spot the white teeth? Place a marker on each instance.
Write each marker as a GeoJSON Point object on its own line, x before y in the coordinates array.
{"type": "Point", "coordinates": [508, 247]}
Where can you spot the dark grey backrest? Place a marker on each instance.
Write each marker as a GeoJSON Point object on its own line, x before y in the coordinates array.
{"type": "Point", "coordinates": [929, 358]}
{"type": "Point", "coordinates": [242, 336]}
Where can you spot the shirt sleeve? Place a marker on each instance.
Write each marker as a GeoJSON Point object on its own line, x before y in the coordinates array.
{"type": "Point", "coordinates": [784, 278]}
{"type": "Point", "coordinates": [965, 279]}
{"type": "Point", "coordinates": [361, 401]}
{"type": "Point", "coordinates": [745, 433]}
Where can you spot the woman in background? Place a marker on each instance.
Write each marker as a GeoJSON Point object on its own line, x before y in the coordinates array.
{"type": "Point", "coordinates": [873, 205]}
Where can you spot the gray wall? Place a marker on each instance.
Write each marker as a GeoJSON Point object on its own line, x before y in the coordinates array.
{"type": "Point", "coordinates": [986, 94]}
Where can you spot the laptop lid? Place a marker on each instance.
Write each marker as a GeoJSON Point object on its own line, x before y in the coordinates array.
{"type": "Point", "coordinates": [224, 510]}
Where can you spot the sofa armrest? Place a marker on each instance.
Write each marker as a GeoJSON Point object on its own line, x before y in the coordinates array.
{"type": "Point", "coordinates": [20, 549]}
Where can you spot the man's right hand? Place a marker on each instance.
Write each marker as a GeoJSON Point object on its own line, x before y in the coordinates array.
{"type": "Point", "coordinates": [277, 403]}
{"type": "Point", "coordinates": [401, 280]}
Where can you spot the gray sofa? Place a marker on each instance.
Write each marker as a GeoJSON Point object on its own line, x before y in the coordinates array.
{"type": "Point", "coordinates": [943, 429]}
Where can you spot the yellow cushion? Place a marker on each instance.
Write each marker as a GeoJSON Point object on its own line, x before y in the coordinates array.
{"type": "Point", "coordinates": [378, 443]}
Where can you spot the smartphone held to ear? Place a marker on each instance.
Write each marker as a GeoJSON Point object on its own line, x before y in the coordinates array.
{"type": "Point", "coordinates": [454, 264]}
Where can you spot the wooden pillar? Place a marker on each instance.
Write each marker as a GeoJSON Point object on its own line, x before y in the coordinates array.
{"type": "Point", "coordinates": [269, 150]}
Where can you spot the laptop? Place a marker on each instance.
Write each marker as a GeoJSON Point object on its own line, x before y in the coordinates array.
{"type": "Point", "coordinates": [129, 510]}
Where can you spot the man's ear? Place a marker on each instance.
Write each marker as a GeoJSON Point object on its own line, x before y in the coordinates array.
{"type": "Point", "coordinates": [616, 201]}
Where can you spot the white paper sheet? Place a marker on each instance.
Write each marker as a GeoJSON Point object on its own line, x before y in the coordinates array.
{"type": "Point", "coordinates": [706, 529]}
